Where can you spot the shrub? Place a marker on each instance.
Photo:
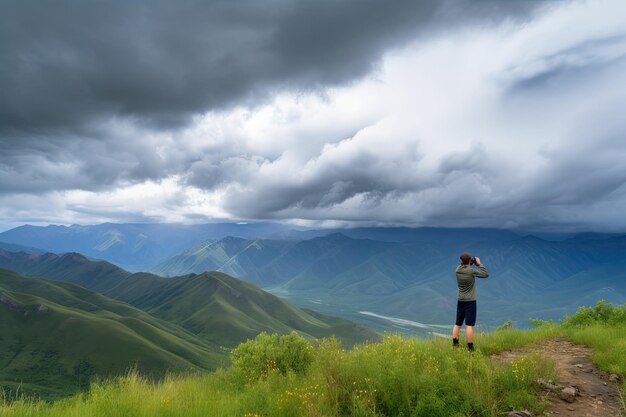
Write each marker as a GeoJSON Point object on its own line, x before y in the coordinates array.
{"type": "Point", "coordinates": [601, 313]}
{"type": "Point", "coordinates": [266, 353]}
{"type": "Point", "coordinates": [542, 323]}
{"type": "Point", "coordinates": [507, 325]}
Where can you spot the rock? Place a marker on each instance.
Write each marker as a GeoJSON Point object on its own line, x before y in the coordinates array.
{"type": "Point", "coordinates": [568, 394]}
{"type": "Point", "coordinates": [570, 408]}
{"type": "Point", "coordinates": [519, 414]}
{"type": "Point", "coordinates": [548, 385]}
{"type": "Point", "coordinates": [42, 309]}
{"type": "Point", "coordinates": [614, 378]}
{"type": "Point", "coordinates": [579, 365]}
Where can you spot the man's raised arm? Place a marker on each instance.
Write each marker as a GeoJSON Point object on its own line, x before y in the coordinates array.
{"type": "Point", "coordinates": [482, 271]}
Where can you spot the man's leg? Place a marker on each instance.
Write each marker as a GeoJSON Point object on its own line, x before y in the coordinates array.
{"type": "Point", "coordinates": [460, 317]}
{"type": "Point", "coordinates": [469, 332]}
{"type": "Point", "coordinates": [470, 321]}
{"type": "Point", "coordinates": [455, 335]}
{"type": "Point", "coordinates": [455, 331]}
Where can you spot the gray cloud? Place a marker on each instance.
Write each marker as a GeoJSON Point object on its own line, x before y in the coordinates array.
{"type": "Point", "coordinates": [42, 163]}
{"type": "Point", "coordinates": [583, 59]}
{"type": "Point", "coordinates": [103, 95]}
{"type": "Point", "coordinates": [65, 64]}
{"type": "Point", "coordinates": [72, 70]}
{"type": "Point", "coordinates": [340, 172]}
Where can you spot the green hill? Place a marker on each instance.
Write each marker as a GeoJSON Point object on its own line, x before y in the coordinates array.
{"type": "Point", "coordinates": [218, 308]}
{"type": "Point", "coordinates": [232, 255]}
{"type": "Point", "coordinates": [227, 311]}
{"type": "Point", "coordinates": [54, 336]}
{"type": "Point", "coordinates": [69, 267]}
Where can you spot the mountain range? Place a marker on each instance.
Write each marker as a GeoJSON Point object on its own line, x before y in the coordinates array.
{"type": "Point", "coordinates": [411, 276]}
{"type": "Point", "coordinates": [400, 273]}
{"type": "Point", "coordinates": [132, 246]}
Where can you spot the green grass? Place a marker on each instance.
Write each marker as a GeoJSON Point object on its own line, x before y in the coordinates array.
{"type": "Point", "coordinates": [608, 343]}
{"type": "Point", "coordinates": [499, 341]}
{"type": "Point", "coordinates": [396, 377]}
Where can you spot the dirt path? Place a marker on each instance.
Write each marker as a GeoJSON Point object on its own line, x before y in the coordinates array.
{"type": "Point", "coordinates": [597, 396]}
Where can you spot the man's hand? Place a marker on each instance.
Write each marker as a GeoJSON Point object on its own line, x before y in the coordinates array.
{"type": "Point", "coordinates": [477, 259]}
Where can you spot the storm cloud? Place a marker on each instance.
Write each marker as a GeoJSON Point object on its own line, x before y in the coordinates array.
{"type": "Point", "coordinates": [73, 61]}
{"type": "Point", "coordinates": [442, 113]}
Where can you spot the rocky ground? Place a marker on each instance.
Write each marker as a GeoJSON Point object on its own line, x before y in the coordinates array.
{"type": "Point", "coordinates": [580, 389]}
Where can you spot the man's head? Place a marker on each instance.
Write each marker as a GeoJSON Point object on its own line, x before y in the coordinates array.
{"type": "Point", "coordinates": [466, 258]}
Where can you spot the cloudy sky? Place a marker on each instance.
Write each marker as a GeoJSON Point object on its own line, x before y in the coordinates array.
{"type": "Point", "coordinates": [432, 113]}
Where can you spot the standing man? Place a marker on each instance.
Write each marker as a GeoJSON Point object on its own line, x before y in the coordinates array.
{"type": "Point", "coordinates": [466, 305]}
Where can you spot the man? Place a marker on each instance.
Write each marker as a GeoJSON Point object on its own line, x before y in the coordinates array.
{"type": "Point", "coordinates": [466, 305]}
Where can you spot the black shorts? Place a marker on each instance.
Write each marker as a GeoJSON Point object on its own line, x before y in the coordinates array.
{"type": "Point", "coordinates": [466, 310]}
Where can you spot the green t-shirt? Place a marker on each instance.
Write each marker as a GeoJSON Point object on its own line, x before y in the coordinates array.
{"type": "Point", "coordinates": [466, 281]}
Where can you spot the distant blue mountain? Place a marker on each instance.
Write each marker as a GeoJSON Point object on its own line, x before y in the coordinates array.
{"type": "Point", "coordinates": [19, 248]}
{"type": "Point", "coordinates": [404, 234]}
{"type": "Point", "coordinates": [133, 246]}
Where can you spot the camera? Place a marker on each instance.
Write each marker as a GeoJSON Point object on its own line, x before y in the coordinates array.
{"type": "Point", "coordinates": [473, 261]}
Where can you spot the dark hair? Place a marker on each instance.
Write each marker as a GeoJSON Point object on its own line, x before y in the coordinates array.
{"type": "Point", "coordinates": [465, 258]}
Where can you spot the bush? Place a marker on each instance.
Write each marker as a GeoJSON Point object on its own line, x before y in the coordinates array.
{"type": "Point", "coordinates": [601, 313]}
{"type": "Point", "coordinates": [266, 353]}
{"type": "Point", "coordinates": [507, 325]}
{"type": "Point", "coordinates": [542, 323]}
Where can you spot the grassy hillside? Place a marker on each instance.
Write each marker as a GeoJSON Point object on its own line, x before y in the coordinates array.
{"type": "Point", "coordinates": [55, 336]}
{"type": "Point", "coordinates": [395, 377]}
{"type": "Point", "coordinates": [227, 311]}
{"type": "Point", "coordinates": [70, 267]}
{"type": "Point", "coordinates": [218, 308]}
{"type": "Point", "coordinates": [232, 255]}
